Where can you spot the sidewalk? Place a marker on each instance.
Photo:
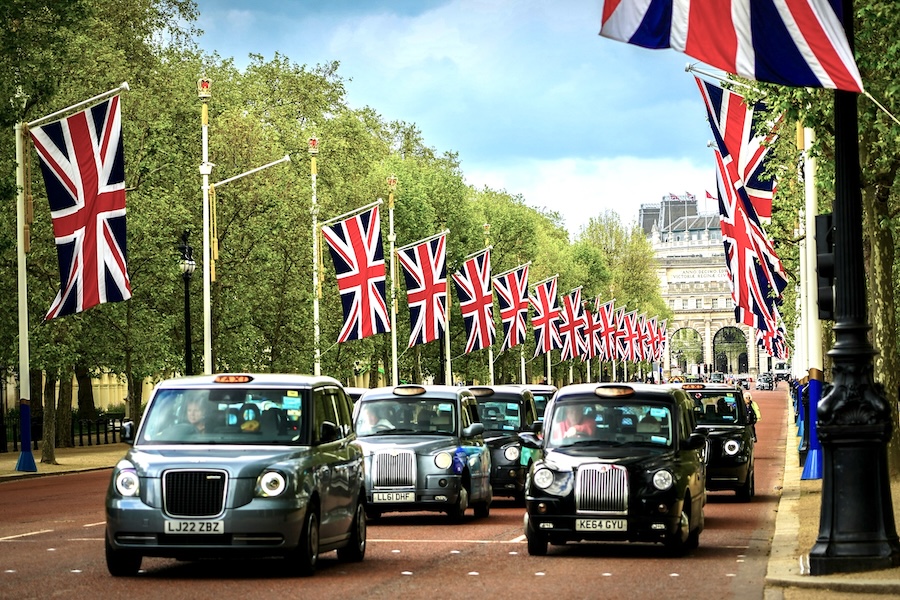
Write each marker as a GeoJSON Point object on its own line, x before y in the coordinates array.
{"type": "Point", "coordinates": [796, 526]}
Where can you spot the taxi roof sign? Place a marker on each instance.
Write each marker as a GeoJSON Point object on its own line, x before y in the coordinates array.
{"type": "Point", "coordinates": [233, 379]}
{"type": "Point", "coordinates": [614, 390]}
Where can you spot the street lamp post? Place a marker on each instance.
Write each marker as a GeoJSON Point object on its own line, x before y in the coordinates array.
{"type": "Point", "coordinates": [187, 270]}
{"type": "Point", "coordinates": [856, 523]}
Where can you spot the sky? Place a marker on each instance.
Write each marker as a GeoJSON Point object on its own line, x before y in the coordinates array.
{"type": "Point", "coordinates": [526, 92]}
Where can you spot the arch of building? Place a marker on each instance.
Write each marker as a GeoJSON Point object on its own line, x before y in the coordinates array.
{"type": "Point", "coordinates": [714, 334]}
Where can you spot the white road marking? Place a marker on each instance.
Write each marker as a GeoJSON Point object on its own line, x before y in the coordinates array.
{"type": "Point", "coordinates": [94, 524]}
{"type": "Point", "coordinates": [398, 541]}
{"type": "Point", "coordinates": [21, 535]}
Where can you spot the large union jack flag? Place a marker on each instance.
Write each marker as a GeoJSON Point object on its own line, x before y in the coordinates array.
{"type": "Point", "coordinates": [788, 42]}
{"type": "Point", "coordinates": [84, 170]}
{"type": "Point", "coordinates": [476, 302]}
{"type": "Point", "coordinates": [735, 128]}
{"type": "Point", "coordinates": [545, 320]}
{"type": "Point", "coordinates": [355, 245]}
{"type": "Point", "coordinates": [425, 270]}
{"type": "Point", "coordinates": [511, 289]}
{"type": "Point", "coordinates": [754, 270]}
{"type": "Point", "coordinates": [571, 326]}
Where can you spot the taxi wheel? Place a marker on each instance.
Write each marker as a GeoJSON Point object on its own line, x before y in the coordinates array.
{"type": "Point", "coordinates": [120, 563]}
{"type": "Point", "coordinates": [684, 539]}
{"type": "Point", "coordinates": [748, 490]}
{"type": "Point", "coordinates": [482, 509]}
{"type": "Point", "coordinates": [458, 512]}
{"type": "Point", "coordinates": [537, 543]}
{"type": "Point", "coordinates": [305, 557]}
{"type": "Point", "coordinates": [355, 550]}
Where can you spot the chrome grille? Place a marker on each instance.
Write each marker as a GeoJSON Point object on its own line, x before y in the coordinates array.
{"type": "Point", "coordinates": [601, 489]}
{"type": "Point", "coordinates": [194, 493]}
{"type": "Point", "coordinates": [394, 468]}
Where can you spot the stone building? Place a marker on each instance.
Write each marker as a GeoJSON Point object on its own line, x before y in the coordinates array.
{"type": "Point", "coordinates": [703, 335]}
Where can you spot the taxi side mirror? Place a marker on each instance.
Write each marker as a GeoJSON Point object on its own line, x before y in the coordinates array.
{"type": "Point", "coordinates": [473, 430]}
{"type": "Point", "coordinates": [530, 440]}
{"type": "Point", "coordinates": [328, 432]}
{"type": "Point", "coordinates": [695, 442]}
{"type": "Point", "coordinates": [127, 434]}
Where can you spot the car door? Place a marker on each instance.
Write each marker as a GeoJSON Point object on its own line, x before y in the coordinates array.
{"type": "Point", "coordinates": [333, 463]}
{"type": "Point", "coordinates": [477, 452]}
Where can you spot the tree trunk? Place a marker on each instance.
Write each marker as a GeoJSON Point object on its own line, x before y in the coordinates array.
{"type": "Point", "coordinates": [64, 411]}
{"type": "Point", "coordinates": [135, 398]}
{"type": "Point", "coordinates": [36, 377]}
{"type": "Point", "coordinates": [882, 317]}
{"type": "Point", "coordinates": [48, 443]}
{"type": "Point", "coordinates": [86, 408]}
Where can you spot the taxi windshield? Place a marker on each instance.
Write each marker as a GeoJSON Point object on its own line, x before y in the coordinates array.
{"type": "Point", "coordinates": [718, 408]}
{"type": "Point", "coordinates": [610, 422]}
{"type": "Point", "coordinates": [499, 415]}
{"type": "Point", "coordinates": [392, 416]}
{"type": "Point", "coordinates": [226, 416]}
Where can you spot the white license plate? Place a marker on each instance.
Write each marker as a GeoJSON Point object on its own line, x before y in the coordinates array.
{"type": "Point", "coordinates": [195, 527]}
{"type": "Point", "coordinates": [394, 497]}
{"type": "Point", "coordinates": [601, 525]}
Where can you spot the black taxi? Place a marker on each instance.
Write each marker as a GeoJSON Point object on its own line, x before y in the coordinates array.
{"type": "Point", "coordinates": [239, 465]}
{"type": "Point", "coordinates": [424, 450]}
{"type": "Point", "coordinates": [729, 454]}
{"type": "Point", "coordinates": [505, 411]}
{"type": "Point", "coordinates": [621, 462]}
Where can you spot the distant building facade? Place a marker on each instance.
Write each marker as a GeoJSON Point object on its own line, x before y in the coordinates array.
{"type": "Point", "coordinates": [703, 335]}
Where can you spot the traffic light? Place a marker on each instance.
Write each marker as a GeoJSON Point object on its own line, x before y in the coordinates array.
{"type": "Point", "coordinates": [825, 265]}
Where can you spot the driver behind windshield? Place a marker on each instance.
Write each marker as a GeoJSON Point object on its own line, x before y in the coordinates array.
{"type": "Point", "coordinates": [570, 422]}
{"type": "Point", "coordinates": [372, 420]}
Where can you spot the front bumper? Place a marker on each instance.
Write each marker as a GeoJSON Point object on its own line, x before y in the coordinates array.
{"type": "Point", "coordinates": [441, 494]}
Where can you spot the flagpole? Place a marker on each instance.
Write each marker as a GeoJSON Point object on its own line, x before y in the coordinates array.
{"type": "Point", "coordinates": [354, 212]}
{"type": "Point", "coordinates": [392, 238]}
{"type": "Point", "coordinates": [25, 462]}
{"type": "Point", "coordinates": [203, 92]}
{"type": "Point", "coordinates": [522, 362]}
{"type": "Point", "coordinates": [813, 467]}
{"type": "Point", "coordinates": [487, 243]}
{"type": "Point", "coordinates": [313, 150]}
{"type": "Point", "coordinates": [97, 98]}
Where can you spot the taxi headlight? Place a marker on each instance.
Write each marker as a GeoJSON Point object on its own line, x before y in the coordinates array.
{"type": "Point", "coordinates": [443, 460]}
{"type": "Point", "coordinates": [662, 479]}
{"type": "Point", "coordinates": [543, 478]}
{"type": "Point", "coordinates": [271, 484]}
{"type": "Point", "coordinates": [511, 453]}
{"type": "Point", "coordinates": [128, 484]}
{"type": "Point", "coordinates": [732, 447]}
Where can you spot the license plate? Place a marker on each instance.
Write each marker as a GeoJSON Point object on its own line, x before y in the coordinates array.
{"type": "Point", "coordinates": [195, 527]}
{"type": "Point", "coordinates": [394, 497]}
{"type": "Point", "coordinates": [601, 525]}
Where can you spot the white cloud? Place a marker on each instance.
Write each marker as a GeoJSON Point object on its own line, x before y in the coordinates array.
{"type": "Point", "coordinates": [580, 189]}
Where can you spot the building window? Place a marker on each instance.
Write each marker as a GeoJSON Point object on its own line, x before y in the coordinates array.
{"type": "Point", "coordinates": [684, 303]}
{"type": "Point", "coordinates": [698, 303]}
{"type": "Point", "coordinates": [715, 303]}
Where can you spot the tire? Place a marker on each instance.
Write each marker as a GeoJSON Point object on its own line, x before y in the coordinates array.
{"type": "Point", "coordinates": [746, 492]}
{"type": "Point", "coordinates": [305, 557]}
{"type": "Point", "coordinates": [679, 542]}
{"type": "Point", "coordinates": [482, 509]}
{"type": "Point", "coordinates": [121, 563]}
{"type": "Point", "coordinates": [355, 550]}
{"type": "Point", "coordinates": [458, 512]}
{"type": "Point", "coordinates": [537, 543]}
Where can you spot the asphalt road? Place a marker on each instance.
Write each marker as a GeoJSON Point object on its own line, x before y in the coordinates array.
{"type": "Point", "coordinates": [51, 544]}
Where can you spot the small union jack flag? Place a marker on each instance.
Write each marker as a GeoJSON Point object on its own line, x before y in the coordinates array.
{"type": "Point", "coordinates": [425, 270]}
{"type": "Point", "coordinates": [473, 288]}
{"type": "Point", "coordinates": [545, 320]}
{"type": "Point", "coordinates": [592, 345]}
{"type": "Point", "coordinates": [744, 150]}
{"type": "Point", "coordinates": [571, 326]}
{"type": "Point", "coordinates": [606, 315]}
{"type": "Point", "coordinates": [355, 245]}
{"type": "Point", "coordinates": [630, 338]}
{"type": "Point", "coordinates": [511, 290]}
{"type": "Point", "coordinates": [82, 162]}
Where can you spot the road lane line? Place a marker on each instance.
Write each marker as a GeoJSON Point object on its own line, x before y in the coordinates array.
{"type": "Point", "coordinates": [94, 524]}
{"type": "Point", "coordinates": [21, 535]}
{"type": "Point", "coordinates": [402, 541]}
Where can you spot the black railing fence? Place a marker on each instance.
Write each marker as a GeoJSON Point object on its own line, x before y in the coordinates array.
{"type": "Point", "coordinates": [105, 429]}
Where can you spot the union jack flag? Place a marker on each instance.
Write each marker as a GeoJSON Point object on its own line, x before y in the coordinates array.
{"type": "Point", "coordinates": [774, 341]}
{"type": "Point", "coordinates": [473, 288]}
{"type": "Point", "coordinates": [425, 270]}
{"type": "Point", "coordinates": [754, 269]}
{"type": "Point", "coordinates": [630, 338]}
{"type": "Point", "coordinates": [648, 333]}
{"type": "Point", "coordinates": [82, 162]}
{"type": "Point", "coordinates": [545, 320]}
{"type": "Point", "coordinates": [663, 338]}
{"type": "Point", "coordinates": [355, 245]}
{"type": "Point", "coordinates": [791, 42]}
{"type": "Point", "coordinates": [592, 328]}
{"type": "Point", "coordinates": [744, 151]}
{"type": "Point", "coordinates": [571, 326]}
{"type": "Point", "coordinates": [511, 290]}
{"type": "Point", "coordinates": [606, 315]}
